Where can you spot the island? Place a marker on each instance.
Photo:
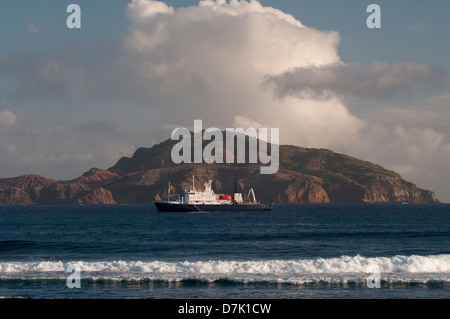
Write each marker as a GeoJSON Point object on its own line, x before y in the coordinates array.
{"type": "Point", "coordinates": [305, 176]}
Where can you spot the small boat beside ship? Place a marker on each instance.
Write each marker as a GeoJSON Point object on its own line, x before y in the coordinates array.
{"type": "Point", "coordinates": [207, 200]}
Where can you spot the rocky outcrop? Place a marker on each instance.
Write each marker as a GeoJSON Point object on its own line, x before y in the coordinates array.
{"type": "Point", "coordinates": [98, 196]}
{"type": "Point", "coordinates": [393, 189]}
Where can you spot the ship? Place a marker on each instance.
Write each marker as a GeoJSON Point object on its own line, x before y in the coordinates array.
{"type": "Point", "coordinates": [207, 200]}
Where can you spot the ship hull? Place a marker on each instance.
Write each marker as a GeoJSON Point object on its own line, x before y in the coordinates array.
{"type": "Point", "coordinates": [165, 207]}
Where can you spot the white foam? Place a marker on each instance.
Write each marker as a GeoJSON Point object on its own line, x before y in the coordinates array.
{"type": "Point", "coordinates": [343, 269]}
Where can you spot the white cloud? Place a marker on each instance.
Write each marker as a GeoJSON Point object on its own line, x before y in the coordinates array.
{"type": "Point", "coordinates": [240, 121]}
{"type": "Point", "coordinates": [7, 118]}
{"type": "Point", "coordinates": [209, 62]}
{"type": "Point", "coordinates": [141, 11]}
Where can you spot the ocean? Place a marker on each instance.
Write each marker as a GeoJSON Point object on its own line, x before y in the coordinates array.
{"type": "Point", "coordinates": [293, 252]}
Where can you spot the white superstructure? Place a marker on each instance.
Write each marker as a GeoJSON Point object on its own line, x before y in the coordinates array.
{"type": "Point", "coordinates": [206, 196]}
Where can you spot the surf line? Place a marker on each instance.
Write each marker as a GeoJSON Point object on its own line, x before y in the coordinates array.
{"type": "Point", "coordinates": [213, 152]}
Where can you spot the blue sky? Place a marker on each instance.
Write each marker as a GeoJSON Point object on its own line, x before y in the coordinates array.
{"type": "Point", "coordinates": [411, 29]}
{"type": "Point", "coordinates": [75, 99]}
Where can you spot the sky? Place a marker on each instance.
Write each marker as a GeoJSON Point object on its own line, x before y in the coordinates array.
{"type": "Point", "coordinates": [72, 99]}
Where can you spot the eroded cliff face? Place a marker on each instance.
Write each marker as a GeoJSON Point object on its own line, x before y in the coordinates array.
{"type": "Point", "coordinates": [33, 189]}
{"type": "Point", "coordinates": [305, 176]}
{"type": "Point", "coordinates": [98, 196]}
{"type": "Point", "coordinates": [393, 189]}
{"type": "Point", "coordinates": [15, 196]}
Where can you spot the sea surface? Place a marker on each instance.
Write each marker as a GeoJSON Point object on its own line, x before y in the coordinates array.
{"type": "Point", "coordinates": [292, 252]}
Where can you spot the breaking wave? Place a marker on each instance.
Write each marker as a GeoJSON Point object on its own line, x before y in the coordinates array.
{"type": "Point", "coordinates": [413, 269]}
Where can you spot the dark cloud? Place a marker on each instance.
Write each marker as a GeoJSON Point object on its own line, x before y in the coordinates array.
{"type": "Point", "coordinates": [34, 77]}
{"type": "Point", "coordinates": [380, 80]}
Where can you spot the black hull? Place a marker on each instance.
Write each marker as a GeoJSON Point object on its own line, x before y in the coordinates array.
{"type": "Point", "coordinates": [189, 208]}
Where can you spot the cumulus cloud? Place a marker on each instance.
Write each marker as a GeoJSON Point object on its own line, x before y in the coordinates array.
{"type": "Point", "coordinates": [209, 62]}
{"type": "Point", "coordinates": [201, 62]}
{"type": "Point", "coordinates": [141, 11]}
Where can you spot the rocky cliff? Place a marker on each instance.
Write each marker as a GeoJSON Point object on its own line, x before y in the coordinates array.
{"type": "Point", "coordinates": [305, 176]}
{"type": "Point", "coordinates": [33, 189]}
